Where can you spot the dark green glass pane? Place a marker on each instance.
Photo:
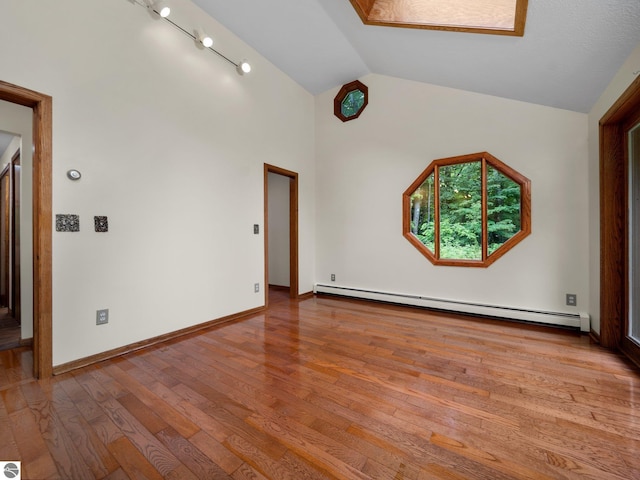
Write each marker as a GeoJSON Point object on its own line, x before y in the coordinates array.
{"type": "Point", "coordinates": [503, 208]}
{"type": "Point", "coordinates": [352, 103]}
{"type": "Point", "coordinates": [461, 211]}
{"type": "Point", "coordinates": [423, 211]}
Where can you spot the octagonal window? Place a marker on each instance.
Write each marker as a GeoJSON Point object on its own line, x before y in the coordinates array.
{"type": "Point", "coordinates": [467, 210]}
{"type": "Point", "coordinates": [350, 101]}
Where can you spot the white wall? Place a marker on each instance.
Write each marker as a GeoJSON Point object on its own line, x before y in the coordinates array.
{"type": "Point", "coordinates": [171, 144]}
{"type": "Point", "coordinates": [18, 120]}
{"type": "Point", "coordinates": [279, 250]}
{"type": "Point", "coordinates": [621, 81]}
{"type": "Point", "coordinates": [364, 166]}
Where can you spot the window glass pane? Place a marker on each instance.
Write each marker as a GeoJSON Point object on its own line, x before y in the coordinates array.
{"type": "Point", "coordinates": [352, 103]}
{"type": "Point", "coordinates": [503, 208]}
{"type": "Point", "coordinates": [460, 211]}
{"type": "Point", "coordinates": [422, 213]}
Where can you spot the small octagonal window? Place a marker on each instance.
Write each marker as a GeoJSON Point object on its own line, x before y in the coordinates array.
{"type": "Point", "coordinates": [467, 210]}
{"type": "Point", "coordinates": [350, 101]}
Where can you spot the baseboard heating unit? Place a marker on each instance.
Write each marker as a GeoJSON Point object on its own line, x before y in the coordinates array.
{"type": "Point", "coordinates": [574, 320]}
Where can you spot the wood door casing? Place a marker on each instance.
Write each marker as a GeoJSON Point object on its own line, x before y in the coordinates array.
{"type": "Point", "coordinates": [293, 229]}
{"type": "Point", "coordinates": [42, 106]}
{"type": "Point", "coordinates": [614, 221]}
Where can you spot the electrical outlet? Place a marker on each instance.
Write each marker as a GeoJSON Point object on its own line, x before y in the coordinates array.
{"type": "Point", "coordinates": [256, 287]}
{"type": "Point", "coordinates": [572, 299]}
{"type": "Point", "coordinates": [102, 316]}
{"type": "Point", "coordinates": [333, 277]}
{"type": "Point", "coordinates": [256, 229]}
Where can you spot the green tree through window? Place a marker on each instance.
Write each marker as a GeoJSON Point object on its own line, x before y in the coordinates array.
{"type": "Point", "coordinates": [467, 210]}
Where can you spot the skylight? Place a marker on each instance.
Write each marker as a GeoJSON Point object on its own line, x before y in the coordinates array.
{"type": "Point", "coordinates": [498, 17]}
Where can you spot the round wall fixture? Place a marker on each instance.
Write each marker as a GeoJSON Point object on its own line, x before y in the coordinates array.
{"type": "Point", "coordinates": [74, 174]}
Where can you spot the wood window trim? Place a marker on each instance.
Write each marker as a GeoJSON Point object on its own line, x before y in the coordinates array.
{"type": "Point", "coordinates": [342, 94]}
{"type": "Point", "coordinates": [614, 274]}
{"type": "Point", "coordinates": [42, 221]}
{"type": "Point", "coordinates": [486, 158]}
{"type": "Point", "coordinates": [373, 12]}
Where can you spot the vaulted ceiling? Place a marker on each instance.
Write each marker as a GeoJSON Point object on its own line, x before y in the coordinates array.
{"type": "Point", "coordinates": [569, 52]}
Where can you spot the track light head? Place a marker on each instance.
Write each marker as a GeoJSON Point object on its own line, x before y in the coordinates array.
{"type": "Point", "coordinates": [159, 7]}
{"type": "Point", "coordinates": [203, 38]}
{"type": "Point", "coordinates": [243, 67]}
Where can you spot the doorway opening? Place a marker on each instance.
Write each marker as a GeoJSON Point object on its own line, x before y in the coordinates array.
{"type": "Point", "coordinates": [41, 105]}
{"type": "Point", "coordinates": [11, 334]}
{"type": "Point", "coordinates": [280, 231]}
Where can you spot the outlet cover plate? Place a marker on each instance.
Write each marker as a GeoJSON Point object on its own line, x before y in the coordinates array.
{"type": "Point", "coordinates": [102, 316]}
{"type": "Point", "coordinates": [572, 299]}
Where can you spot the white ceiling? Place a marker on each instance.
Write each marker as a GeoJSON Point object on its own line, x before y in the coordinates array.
{"type": "Point", "coordinates": [570, 50]}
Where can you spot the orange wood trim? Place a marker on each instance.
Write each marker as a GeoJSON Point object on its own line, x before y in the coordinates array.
{"type": "Point", "coordinates": [306, 296]}
{"type": "Point", "coordinates": [363, 8]}
{"type": "Point", "coordinates": [342, 94]}
{"type": "Point", "coordinates": [613, 216]}
{"type": "Point", "coordinates": [42, 244]}
{"type": "Point", "coordinates": [436, 213]}
{"type": "Point", "coordinates": [406, 212]}
{"type": "Point", "coordinates": [403, 13]}
{"type": "Point", "coordinates": [631, 350]}
{"type": "Point", "coordinates": [116, 352]}
{"type": "Point", "coordinates": [484, 206]}
{"type": "Point", "coordinates": [484, 157]}
{"type": "Point", "coordinates": [42, 220]}
{"type": "Point", "coordinates": [613, 268]}
{"type": "Point", "coordinates": [623, 106]}
{"type": "Point", "coordinates": [293, 237]}
{"type": "Point", "coordinates": [521, 17]}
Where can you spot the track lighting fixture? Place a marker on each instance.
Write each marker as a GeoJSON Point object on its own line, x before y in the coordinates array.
{"type": "Point", "coordinates": [162, 9]}
{"type": "Point", "coordinates": [243, 67]}
{"type": "Point", "coordinates": [203, 38]}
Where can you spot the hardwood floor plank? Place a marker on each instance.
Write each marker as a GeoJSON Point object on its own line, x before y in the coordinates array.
{"type": "Point", "coordinates": [310, 444]}
{"type": "Point", "coordinates": [132, 461]}
{"type": "Point", "coordinates": [13, 399]}
{"type": "Point", "coordinates": [86, 441]}
{"type": "Point", "coordinates": [196, 461]}
{"type": "Point", "coordinates": [69, 462]}
{"type": "Point", "coordinates": [217, 452]}
{"type": "Point", "coordinates": [8, 445]}
{"type": "Point", "coordinates": [118, 474]}
{"type": "Point", "coordinates": [133, 381]}
{"type": "Point", "coordinates": [247, 472]}
{"type": "Point", "coordinates": [37, 461]}
{"type": "Point", "coordinates": [266, 465]}
{"type": "Point", "coordinates": [482, 456]}
{"type": "Point", "coordinates": [152, 449]}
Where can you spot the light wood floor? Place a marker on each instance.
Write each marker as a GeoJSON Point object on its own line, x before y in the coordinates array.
{"type": "Point", "coordinates": [328, 388]}
{"type": "Point", "coordinates": [9, 330]}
